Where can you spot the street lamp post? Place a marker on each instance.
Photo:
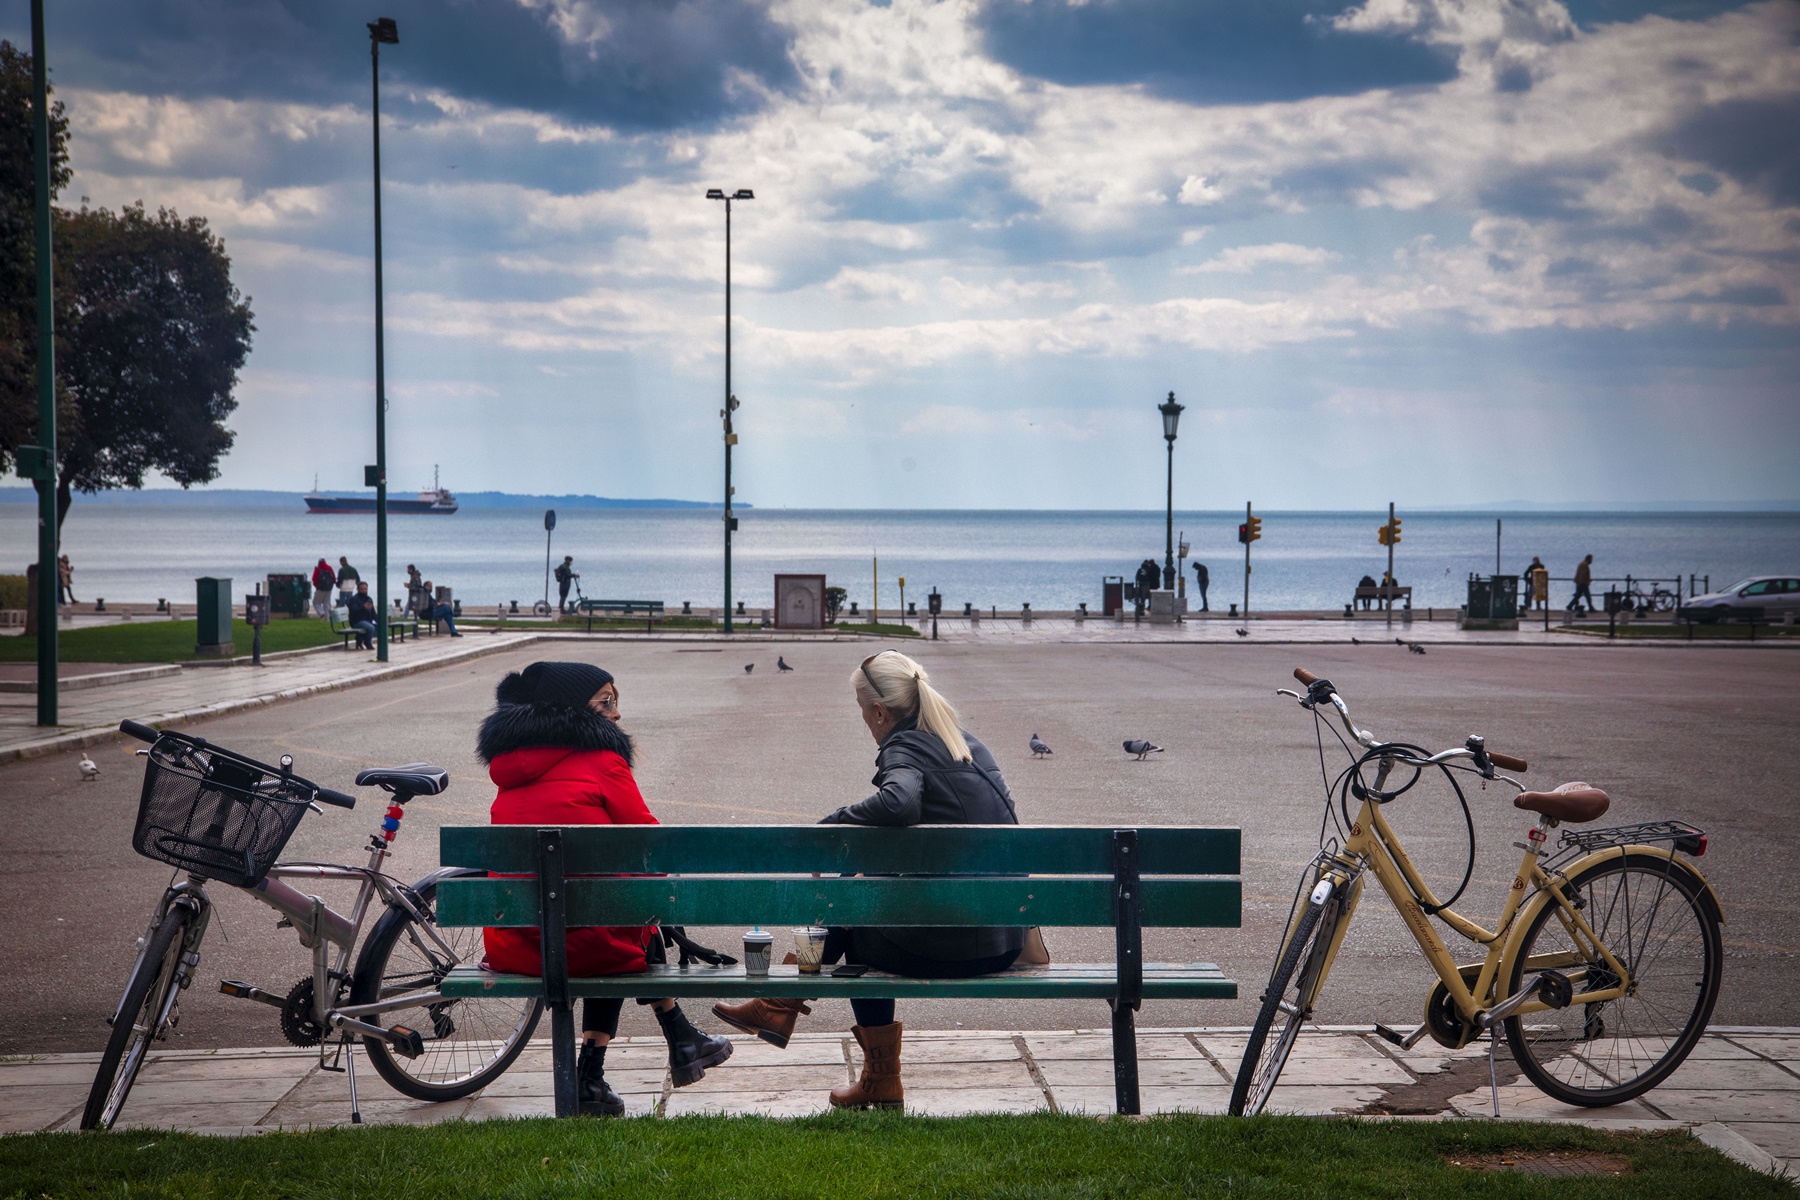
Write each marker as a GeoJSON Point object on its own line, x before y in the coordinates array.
{"type": "Point", "coordinates": [731, 402]}
{"type": "Point", "coordinates": [1171, 417]}
{"type": "Point", "coordinates": [382, 31]}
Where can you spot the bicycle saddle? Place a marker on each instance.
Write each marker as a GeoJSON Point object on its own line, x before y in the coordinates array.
{"type": "Point", "coordinates": [415, 779]}
{"type": "Point", "coordinates": [1576, 802]}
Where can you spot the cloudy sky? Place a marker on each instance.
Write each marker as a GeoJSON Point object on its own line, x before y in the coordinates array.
{"type": "Point", "coordinates": [1434, 251]}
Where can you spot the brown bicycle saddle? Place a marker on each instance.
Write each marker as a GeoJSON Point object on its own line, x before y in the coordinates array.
{"type": "Point", "coordinates": [1575, 802]}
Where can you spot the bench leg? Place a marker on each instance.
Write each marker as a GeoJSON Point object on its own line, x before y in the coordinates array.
{"type": "Point", "coordinates": [562, 1051]}
{"type": "Point", "coordinates": [1125, 1060]}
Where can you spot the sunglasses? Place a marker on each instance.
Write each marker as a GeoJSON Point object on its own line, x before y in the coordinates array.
{"type": "Point", "coordinates": [609, 703]}
{"type": "Point", "coordinates": [873, 686]}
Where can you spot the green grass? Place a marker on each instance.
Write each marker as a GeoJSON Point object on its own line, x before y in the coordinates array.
{"type": "Point", "coordinates": [882, 630]}
{"type": "Point", "coordinates": [846, 1155]}
{"type": "Point", "coordinates": [149, 640]}
{"type": "Point", "coordinates": [1657, 629]}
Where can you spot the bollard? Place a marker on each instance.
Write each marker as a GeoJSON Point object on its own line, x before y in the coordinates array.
{"type": "Point", "coordinates": [99, 604]}
{"type": "Point", "coordinates": [515, 608]}
{"type": "Point", "coordinates": [687, 608]}
{"type": "Point", "coordinates": [1025, 612]}
{"type": "Point", "coordinates": [162, 605]}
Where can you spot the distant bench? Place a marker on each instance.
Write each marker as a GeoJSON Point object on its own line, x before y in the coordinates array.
{"type": "Point", "coordinates": [952, 875]}
{"type": "Point", "coordinates": [398, 627]}
{"type": "Point", "coordinates": [1388, 594]}
{"type": "Point", "coordinates": [651, 609]}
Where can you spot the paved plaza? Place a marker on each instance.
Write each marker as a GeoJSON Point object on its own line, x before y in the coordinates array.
{"type": "Point", "coordinates": [1739, 1091]}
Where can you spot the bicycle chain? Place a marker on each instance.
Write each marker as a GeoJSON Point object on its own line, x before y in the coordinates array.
{"type": "Point", "coordinates": [298, 1024]}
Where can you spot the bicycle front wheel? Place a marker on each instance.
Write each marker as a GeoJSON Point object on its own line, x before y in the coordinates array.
{"type": "Point", "coordinates": [1286, 1005]}
{"type": "Point", "coordinates": [149, 999]}
{"type": "Point", "coordinates": [1653, 914]}
{"type": "Point", "coordinates": [469, 1041]}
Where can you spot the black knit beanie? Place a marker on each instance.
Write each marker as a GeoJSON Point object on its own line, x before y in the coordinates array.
{"type": "Point", "coordinates": [562, 684]}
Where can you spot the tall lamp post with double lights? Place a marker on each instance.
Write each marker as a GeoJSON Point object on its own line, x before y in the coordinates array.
{"type": "Point", "coordinates": [382, 32]}
{"type": "Point", "coordinates": [731, 402]}
{"type": "Point", "coordinates": [1171, 417]}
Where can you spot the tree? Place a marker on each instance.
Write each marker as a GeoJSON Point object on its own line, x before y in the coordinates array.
{"type": "Point", "coordinates": [150, 336]}
{"type": "Point", "coordinates": [835, 599]}
{"type": "Point", "coordinates": [18, 250]}
{"type": "Point", "coordinates": [150, 332]}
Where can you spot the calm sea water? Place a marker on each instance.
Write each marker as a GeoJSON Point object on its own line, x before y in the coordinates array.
{"type": "Point", "coordinates": [1051, 560]}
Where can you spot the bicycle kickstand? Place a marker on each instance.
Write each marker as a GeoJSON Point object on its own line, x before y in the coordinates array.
{"type": "Point", "coordinates": [1493, 1071]}
{"type": "Point", "coordinates": [356, 1109]}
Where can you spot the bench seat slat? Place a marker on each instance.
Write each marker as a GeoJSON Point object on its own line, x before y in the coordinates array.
{"type": "Point", "coordinates": [956, 901]}
{"type": "Point", "coordinates": [1162, 981]}
{"type": "Point", "coordinates": [784, 849]}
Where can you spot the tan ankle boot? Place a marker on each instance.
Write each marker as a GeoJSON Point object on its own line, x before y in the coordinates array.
{"type": "Point", "coordinates": [771, 1020]}
{"type": "Point", "coordinates": [879, 1086]}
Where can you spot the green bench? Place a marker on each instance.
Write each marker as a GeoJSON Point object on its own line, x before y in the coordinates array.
{"type": "Point", "coordinates": [651, 609]}
{"type": "Point", "coordinates": [740, 875]}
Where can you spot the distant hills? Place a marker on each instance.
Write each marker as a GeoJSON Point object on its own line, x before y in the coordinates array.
{"type": "Point", "coordinates": [248, 497]}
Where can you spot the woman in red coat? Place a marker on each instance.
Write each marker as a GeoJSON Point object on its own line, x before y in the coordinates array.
{"type": "Point", "coordinates": [555, 750]}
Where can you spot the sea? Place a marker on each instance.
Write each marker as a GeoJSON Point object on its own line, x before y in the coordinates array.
{"type": "Point", "coordinates": [148, 550]}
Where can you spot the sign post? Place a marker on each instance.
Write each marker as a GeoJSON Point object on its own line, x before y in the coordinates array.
{"type": "Point", "coordinates": [549, 528]}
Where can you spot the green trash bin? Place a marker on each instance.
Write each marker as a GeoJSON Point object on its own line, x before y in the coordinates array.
{"type": "Point", "coordinates": [212, 635]}
{"type": "Point", "coordinates": [288, 595]}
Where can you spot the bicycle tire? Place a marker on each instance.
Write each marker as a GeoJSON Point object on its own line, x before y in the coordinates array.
{"type": "Point", "coordinates": [1263, 1058]}
{"type": "Point", "coordinates": [142, 1012]}
{"type": "Point", "coordinates": [1596, 1055]}
{"type": "Point", "coordinates": [469, 1041]}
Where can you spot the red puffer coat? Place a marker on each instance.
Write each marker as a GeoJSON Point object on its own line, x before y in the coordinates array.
{"type": "Point", "coordinates": [562, 766]}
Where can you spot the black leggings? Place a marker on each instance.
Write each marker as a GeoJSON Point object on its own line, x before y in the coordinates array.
{"type": "Point", "coordinates": [602, 1016]}
{"type": "Point", "coordinates": [871, 949]}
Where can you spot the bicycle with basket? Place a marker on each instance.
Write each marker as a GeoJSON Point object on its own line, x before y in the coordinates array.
{"type": "Point", "coordinates": [1601, 970]}
{"type": "Point", "coordinates": [217, 816]}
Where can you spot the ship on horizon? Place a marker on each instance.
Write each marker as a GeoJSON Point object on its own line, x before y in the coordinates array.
{"type": "Point", "coordinates": [434, 499]}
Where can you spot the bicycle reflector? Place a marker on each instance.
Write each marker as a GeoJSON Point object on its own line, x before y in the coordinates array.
{"type": "Point", "coordinates": [1693, 845]}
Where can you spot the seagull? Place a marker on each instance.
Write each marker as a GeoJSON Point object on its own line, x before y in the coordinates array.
{"type": "Point", "coordinates": [1241, 632]}
{"type": "Point", "coordinates": [90, 770]}
{"type": "Point", "coordinates": [1141, 748]}
{"type": "Point", "coordinates": [1416, 648]}
{"type": "Point", "coordinates": [781, 664]}
{"type": "Point", "coordinates": [749, 667]}
{"type": "Point", "coordinates": [1039, 748]}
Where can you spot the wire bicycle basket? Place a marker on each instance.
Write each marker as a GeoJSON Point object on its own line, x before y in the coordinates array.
{"type": "Point", "coordinates": [215, 814]}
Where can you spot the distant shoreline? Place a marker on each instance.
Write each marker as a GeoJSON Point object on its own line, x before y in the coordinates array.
{"type": "Point", "coordinates": [246, 497]}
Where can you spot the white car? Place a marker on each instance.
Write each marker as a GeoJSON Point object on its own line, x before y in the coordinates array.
{"type": "Point", "coordinates": [1776, 595]}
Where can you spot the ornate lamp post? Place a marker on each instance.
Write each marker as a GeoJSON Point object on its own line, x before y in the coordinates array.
{"type": "Point", "coordinates": [1171, 417]}
{"type": "Point", "coordinates": [731, 402]}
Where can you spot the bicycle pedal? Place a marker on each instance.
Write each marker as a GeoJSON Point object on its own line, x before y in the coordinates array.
{"type": "Point", "coordinates": [1406, 1041]}
{"type": "Point", "coordinates": [406, 1041]}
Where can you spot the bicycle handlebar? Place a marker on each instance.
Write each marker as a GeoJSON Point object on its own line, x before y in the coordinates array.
{"type": "Point", "coordinates": [141, 732]}
{"type": "Point", "coordinates": [326, 796]}
{"type": "Point", "coordinates": [1504, 761]}
{"type": "Point", "coordinates": [1507, 761]}
{"type": "Point", "coordinates": [145, 733]}
{"type": "Point", "coordinates": [1305, 676]}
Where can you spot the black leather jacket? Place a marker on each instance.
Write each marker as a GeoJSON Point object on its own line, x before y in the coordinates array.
{"type": "Point", "coordinates": [918, 783]}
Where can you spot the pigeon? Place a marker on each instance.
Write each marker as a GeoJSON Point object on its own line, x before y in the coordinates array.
{"type": "Point", "coordinates": [781, 664]}
{"type": "Point", "coordinates": [1399, 642]}
{"type": "Point", "coordinates": [1241, 632]}
{"type": "Point", "coordinates": [1141, 748]}
{"type": "Point", "coordinates": [1356, 641]}
{"type": "Point", "coordinates": [1416, 648]}
{"type": "Point", "coordinates": [90, 770]}
{"type": "Point", "coordinates": [1039, 748]}
{"type": "Point", "coordinates": [749, 667]}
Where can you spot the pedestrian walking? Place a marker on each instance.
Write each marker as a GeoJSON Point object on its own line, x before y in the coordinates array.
{"type": "Point", "coordinates": [323, 580]}
{"type": "Point", "coordinates": [566, 574]}
{"type": "Point", "coordinates": [347, 579]}
{"type": "Point", "coordinates": [415, 583]}
{"type": "Point", "coordinates": [1584, 579]}
{"type": "Point", "coordinates": [1201, 578]}
{"type": "Point", "coordinates": [65, 581]}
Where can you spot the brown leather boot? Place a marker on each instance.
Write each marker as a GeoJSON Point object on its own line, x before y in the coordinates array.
{"type": "Point", "coordinates": [771, 1020]}
{"type": "Point", "coordinates": [879, 1086]}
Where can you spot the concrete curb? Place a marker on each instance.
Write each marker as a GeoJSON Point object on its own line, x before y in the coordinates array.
{"type": "Point", "coordinates": [81, 738]}
{"type": "Point", "coordinates": [79, 683]}
{"type": "Point", "coordinates": [1738, 1148]}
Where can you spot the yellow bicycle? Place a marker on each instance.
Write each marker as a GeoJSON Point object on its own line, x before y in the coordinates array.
{"type": "Point", "coordinates": [1602, 968]}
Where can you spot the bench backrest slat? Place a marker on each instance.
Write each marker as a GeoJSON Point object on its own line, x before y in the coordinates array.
{"type": "Point", "coordinates": [787, 849]}
{"type": "Point", "coordinates": [724, 900]}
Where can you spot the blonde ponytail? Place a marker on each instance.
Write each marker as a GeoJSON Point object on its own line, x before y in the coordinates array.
{"type": "Point", "coordinates": [901, 685]}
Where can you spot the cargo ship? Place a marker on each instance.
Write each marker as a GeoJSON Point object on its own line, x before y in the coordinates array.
{"type": "Point", "coordinates": [431, 500]}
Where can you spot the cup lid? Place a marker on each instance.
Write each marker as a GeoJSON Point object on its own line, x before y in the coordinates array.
{"type": "Point", "coordinates": [817, 931]}
{"type": "Point", "coordinates": [758, 935]}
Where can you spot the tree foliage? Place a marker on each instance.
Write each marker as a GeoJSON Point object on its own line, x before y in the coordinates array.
{"type": "Point", "coordinates": [150, 331]}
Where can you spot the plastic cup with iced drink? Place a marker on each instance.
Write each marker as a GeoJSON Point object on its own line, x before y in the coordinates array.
{"type": "Point", "coordinates": [809, 948]}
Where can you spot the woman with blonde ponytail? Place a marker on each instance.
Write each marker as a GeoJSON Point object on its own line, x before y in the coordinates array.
{"type": "Point", "coordinates": [928, 771]}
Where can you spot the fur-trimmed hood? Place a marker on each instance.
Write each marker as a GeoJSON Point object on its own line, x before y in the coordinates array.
{"type": "Point", "coordinates": [522, 726]}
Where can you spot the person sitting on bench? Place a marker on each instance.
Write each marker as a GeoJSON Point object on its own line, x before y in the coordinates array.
{"type": "Point", "coordinates": [431, 610]}
{"type": "Point", "coordinates": [928, 771]}
{"type": "Point", "coordinates": [361, 608]}
{"type": "Point", "coordinates": [554, 748]}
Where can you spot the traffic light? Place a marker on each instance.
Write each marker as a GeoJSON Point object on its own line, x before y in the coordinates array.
{"type": "Point", "coordinates": [1388, 534]}
{"type": "Point", "coordinates": [1244, 534]}
{"type": "Point", "coordinates": [1254, 529]}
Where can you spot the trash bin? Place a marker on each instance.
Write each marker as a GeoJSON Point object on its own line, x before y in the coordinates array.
{"type": "Point", "coordinates": [1112, 594]}
{"type": "Point", "coordinates": [288, 595]}
{"type": "Point", "coordinates": [1506, 597]}
{"type": "Point", "coordinates": [1481, 598]}
{"type": "Point", "coordinates": [212, 629]}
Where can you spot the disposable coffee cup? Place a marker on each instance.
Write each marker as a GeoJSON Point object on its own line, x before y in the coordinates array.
{"type": "Point", "coordinates": [758, 944]}
{"type": "Point", "coordinates": [809, 948]}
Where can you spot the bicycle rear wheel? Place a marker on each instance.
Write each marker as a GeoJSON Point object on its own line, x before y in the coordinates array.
{"type": "Point", "coordinates": [1653, 914]}
{"type": "Point", "coordinates": [150, 996]}
{"type": "Point", "coordinates": [1286, 1004]}
{"type": "Point", "coordinates": [469, 1041]}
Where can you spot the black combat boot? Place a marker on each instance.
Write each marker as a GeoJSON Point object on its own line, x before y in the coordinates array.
{"type": "Point", "coordinates": [690, 1051]}
{"type": "Point", "coordinates": [597, 1097]}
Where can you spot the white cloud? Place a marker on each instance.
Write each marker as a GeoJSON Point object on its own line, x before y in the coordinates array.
{"type": "Point", "coordinates": [1241, 259]}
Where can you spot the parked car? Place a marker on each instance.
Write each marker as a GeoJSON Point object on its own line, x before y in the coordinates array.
{"type": "Point", "coordinates": [1776, 595]}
